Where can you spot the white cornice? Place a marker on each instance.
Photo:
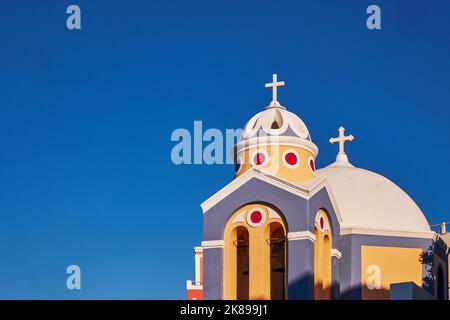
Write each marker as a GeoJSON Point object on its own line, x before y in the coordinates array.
{"type": "Point", "coordinates": [333, 201]}
{"type": "Point", "coordinates": [198, 250]}
{"type": "Point", "coordinates": [388, 233]}
{"type": "Point", "coordinates": [276, 140]}
{"type": "Point", "coordinates": [212, 244]}
{"type": "Point", "coordinates": [336, 253]}
{"type": "Point", "coordinates": [301, 235]}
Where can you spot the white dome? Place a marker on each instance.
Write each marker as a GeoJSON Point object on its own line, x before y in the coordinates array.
{"type": "Point", "coordinates": [369, 201]}
{"type": "Point", "coordinates": [276, 125]}
{"type": "Point", "coordinates": [275, 121]}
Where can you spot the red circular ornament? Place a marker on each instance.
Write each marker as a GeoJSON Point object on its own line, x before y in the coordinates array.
{"type": "Point", "coordinates": [256, 217]}
{"type": "Point", "coordinates": [311, 164]}
{"type": "Point", "coordinates": [259, 158]}
{"type": "Point", "coordinates": [291, 158]}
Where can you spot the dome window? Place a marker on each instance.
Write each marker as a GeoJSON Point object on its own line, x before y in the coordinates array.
{"type": "Point", "coordinates": [277, 120]}
{"type": "Point", "coordinates": [259, 158]}
{"type": "Point", "coordinates": [291, 158]}
{"type": "Point", "coordinates": [312, 166]}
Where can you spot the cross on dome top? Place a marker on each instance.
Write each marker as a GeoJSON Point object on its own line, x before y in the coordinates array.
{"type": "Point", "coordinates": [342, 139]}
{"type": "Point", "coordinates": [274, 85]}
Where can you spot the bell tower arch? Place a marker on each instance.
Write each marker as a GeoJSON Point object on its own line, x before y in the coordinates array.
{"type": "Point", "coordinates": [254, 262]}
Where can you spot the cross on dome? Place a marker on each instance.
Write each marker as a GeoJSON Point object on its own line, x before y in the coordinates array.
{"type": "Point", "coordinates": [274, 85]}
{"type": "Point", "coordinates": [342, 139]}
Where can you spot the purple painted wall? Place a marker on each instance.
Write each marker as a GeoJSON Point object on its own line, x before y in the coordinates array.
{"type": "Point", "coordinates": [298, 214]}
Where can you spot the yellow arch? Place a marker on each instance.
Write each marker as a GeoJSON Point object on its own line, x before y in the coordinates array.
{"type": "Point", "coordinates": [259, 252]}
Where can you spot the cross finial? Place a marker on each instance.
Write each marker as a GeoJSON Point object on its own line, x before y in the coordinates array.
{"type": "Point", "coordinates": [342, 139]}
{"type": "Point", "coordinates": [274, 85]}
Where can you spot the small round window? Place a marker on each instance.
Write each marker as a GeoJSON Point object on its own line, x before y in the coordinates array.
{"type": "Point", "coordinates": [290, 158]}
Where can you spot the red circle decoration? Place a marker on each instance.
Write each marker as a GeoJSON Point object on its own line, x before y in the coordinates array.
{"type": "Point", "coordinates": [259, 158]}
{"type": "Point", "coordinates": [321, 222]}
{"type": "Point", "coordinates": [311, 164]}
{"type": "Point", "coordinates": [256, 217]}
{"type": "Point", "coordinates": [291, 158]}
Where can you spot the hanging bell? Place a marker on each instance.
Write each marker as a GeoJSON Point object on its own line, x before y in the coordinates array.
{"type": "Point", "coordinates": [277, 257]}
{"type": "Point", "coordinates": [242, 254]}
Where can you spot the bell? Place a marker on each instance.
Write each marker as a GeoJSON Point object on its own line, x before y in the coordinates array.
{"type": "Point", "coordinates": [242, 253]}
{"type": "Point", "coordinates": [246, 269]}
{"type": "Point", "coordinates": [277, 257]}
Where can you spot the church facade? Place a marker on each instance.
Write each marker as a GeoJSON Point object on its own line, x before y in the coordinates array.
{"type": "Point", "coordinates": [282, 229]}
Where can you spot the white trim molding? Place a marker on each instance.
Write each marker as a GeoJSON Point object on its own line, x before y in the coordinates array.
{"type": "Point", "coordinates": [301, 235]}
{"type": "Point", "coordinates": [333, 201]}
{"type": "Point", "coordinates": [387, 233]}
{"type": "Point", "coordinates": [198, 250]}
{"type": "Point", "coordinates": [273, 214]}
{"type": "Point", "coordinates": [304, 190]}
{"type": "Point", "coordinates": [276, 140]}
{"type": "Point", "coordinates": [336, 253]}
{"type": "Point", "coordinates": [212, 244]}
{"type": "Point", "coordinates": [239, 217]}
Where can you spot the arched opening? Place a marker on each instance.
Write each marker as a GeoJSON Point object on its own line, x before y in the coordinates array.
{"type": "Point", "coordinates": [242, 263]}
{"type": "Point", "coordinates": [440, 283]}
{"type": "Point", "coordinates": [277, 243]}
{"type": "Point", "coordinates": [254, 254]}
{"type": "Point", "coordinates": [322, 257]}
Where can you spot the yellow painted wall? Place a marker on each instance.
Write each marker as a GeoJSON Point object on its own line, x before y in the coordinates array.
{"type": "Point", "coordinates": [382, 266]}
{"type": "Point", "coordinates": [259, 254]}
{"type": "Point", "coordinates": [276, 167]}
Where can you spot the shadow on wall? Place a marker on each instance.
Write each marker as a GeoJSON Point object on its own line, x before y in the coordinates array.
{"type": "Point", "coordinates": [434, 273]}
{"type": "Point", "coordinates": [303, 289]}
{"type": "Point", "coordinates": [427, 260]}
{"type": "Point", "coordinates": [356, 294]}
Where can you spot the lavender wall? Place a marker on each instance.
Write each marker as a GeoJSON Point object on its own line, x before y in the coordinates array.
{"type": "Point", "coordinates": [299, 215]}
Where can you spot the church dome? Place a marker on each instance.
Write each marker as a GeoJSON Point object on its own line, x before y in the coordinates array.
{"type": "Point", "coordinates": [277, 142]}
{"type": "Point", "coordinates": [369, 201]}
{"type": "Point", "coordinates": [275, 121]}
{"type": "Point", "coordinates": [275, 125]}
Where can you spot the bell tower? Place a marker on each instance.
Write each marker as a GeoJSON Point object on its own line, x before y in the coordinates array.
{"type": "Point", "coordinates": [260, 230]}
{"type": "Point", "coordinates": [254, 254]}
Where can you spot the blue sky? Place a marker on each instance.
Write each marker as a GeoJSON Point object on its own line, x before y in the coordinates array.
{"type": "Point", "coordinates": [86, 117]}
